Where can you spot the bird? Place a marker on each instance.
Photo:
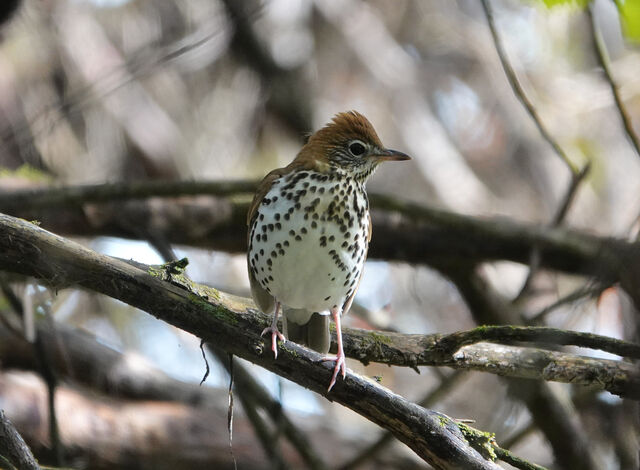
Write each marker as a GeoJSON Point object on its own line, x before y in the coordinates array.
{"type": "Point", "coordinates": [308, 233]}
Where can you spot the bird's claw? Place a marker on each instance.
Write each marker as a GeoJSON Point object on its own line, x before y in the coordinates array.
{"type": "Point", "coordinates": [275, 335]}
{"type": "Point", "coordinates": [339, 359]}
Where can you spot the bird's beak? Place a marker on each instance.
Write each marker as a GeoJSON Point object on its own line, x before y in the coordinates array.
{"type": "Point", "coordinates": [388, 155]}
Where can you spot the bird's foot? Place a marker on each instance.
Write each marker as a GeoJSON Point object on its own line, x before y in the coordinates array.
{"type": "Point", "coordinates": [339, 359]}
{"type": "Point", "coordinates": [275, 335]}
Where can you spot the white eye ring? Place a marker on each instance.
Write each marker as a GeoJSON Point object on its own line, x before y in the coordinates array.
{"type": "Point", "coordinates": [357, 148]}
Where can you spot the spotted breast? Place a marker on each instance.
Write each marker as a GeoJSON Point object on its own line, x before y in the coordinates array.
{"type": "Point", "coordinates": [309, 240]}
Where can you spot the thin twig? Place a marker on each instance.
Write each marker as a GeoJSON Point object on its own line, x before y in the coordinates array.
{"type": "Point", "coordinates": [588, 291]}
{"type": "Point", "coordinates": [603, 59]}
{"type": "Point", "coordinates": [519, 91]}
{"type": "Point", "coordinates": [253, 394]}
{"type": "Point", "coordinates": [46, 371]}
{"type": "Point", "coordinates": [563, 209]}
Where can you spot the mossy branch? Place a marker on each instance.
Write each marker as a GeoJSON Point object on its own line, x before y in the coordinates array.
{"type": "Point", "coordinates": [229, 323]}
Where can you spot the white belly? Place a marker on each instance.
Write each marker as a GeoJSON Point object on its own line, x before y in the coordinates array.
{"type": "Point", "coordinates": [310, 259]}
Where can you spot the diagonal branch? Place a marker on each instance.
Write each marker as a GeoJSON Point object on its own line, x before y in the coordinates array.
{"type": "Point", "coordinates": [226, 321]}
{"type": "Point", "coordinates": [603, 60]}
{"type": "Point", "coordinates": [519, 91]}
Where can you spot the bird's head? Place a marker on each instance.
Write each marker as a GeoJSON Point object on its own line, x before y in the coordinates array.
{"type": "Point", "coordinates": [348, 144]}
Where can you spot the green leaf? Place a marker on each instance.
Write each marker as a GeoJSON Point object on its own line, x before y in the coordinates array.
{"type": "Point", "coordinates": [630, 17]}
{"type": "Point", "coordinates": [555, 3]}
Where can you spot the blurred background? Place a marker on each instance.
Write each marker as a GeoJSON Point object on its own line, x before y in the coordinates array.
{"type": "Point", "coordinates": [95, 91]}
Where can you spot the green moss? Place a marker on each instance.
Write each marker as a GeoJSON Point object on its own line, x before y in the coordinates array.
{"type": "Point", "coordinates": [482, 441]}
{"type": "Point", "coordinates": [26, 171]}
{"type": "Point", "coordinates": [155, 272]}
{"type": "Point", "coordinates": [283, 347]}
{"type": "Point", "coordinates": [444, 421]}
{"type": "Point", "coordinates": [379, 338]}
{"type": "Point", "coordinates": [217, 311]}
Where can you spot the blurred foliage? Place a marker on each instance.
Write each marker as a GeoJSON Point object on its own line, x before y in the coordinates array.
{"type": "Point", "coordinates": [629, 14]}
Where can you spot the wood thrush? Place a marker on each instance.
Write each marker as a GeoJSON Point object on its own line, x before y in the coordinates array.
{"type": "Point", "coordinates": [309, 232]}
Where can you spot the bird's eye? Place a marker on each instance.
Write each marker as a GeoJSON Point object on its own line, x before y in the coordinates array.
{"type": "Point", "coordinates": [357, 148]}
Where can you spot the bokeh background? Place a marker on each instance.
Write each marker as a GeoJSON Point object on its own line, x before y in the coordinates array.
{"type": "Point", "coordinates": [95, 91]}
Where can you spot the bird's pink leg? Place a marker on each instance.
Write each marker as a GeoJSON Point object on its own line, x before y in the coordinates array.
{"type": "Point", "coordinates": [340, 357]}
{"type": "Point", "coordinates": [273, 329]}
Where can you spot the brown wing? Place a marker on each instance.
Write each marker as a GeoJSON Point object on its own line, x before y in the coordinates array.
{"type": "Point", "coordinates": [261, 297]}
{"type": "Point", "coordinates": [263, 189]}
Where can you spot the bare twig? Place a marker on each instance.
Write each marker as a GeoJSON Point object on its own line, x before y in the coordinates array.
{"type": "Point", "coordinates": [563, 208]}
{"type": "Point", "coordinates": [584, 292]}
{"type": "Point", "coordinates": [47, 373]}
{"type": "Point", "coordinates": [519, 91]}
{"type": "Point", "coordinates": [603, 59]}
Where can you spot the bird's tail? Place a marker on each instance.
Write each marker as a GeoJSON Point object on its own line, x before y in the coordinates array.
{"type": "Point", "coordinates": [309, 329]}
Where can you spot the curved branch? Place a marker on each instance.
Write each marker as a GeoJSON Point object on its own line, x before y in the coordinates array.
{"type": "Point", "coordinates": [227, 321]}
{"type": "Point", "coordinates": [456, 350]}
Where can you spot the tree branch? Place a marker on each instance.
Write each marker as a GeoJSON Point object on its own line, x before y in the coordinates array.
{"type": "Point", "coordinates": [402, 231]}
{"type": "Point", "coordinates": [13, 447]}
{"type": "Point", "coordinates": [226, 321]}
